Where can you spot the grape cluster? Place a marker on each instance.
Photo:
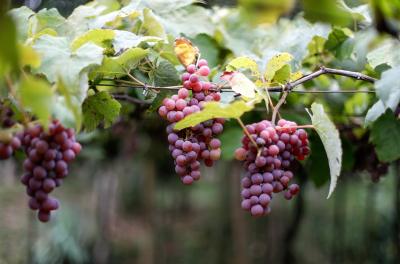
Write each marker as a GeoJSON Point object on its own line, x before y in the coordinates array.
{"type": "Point", "coordinates": [7, 147]}
{"type": "Point", "coordinates": [191, 145]}
{"type": "Point", "coordinates": [48, 154]}
{"type": "Point", "coordinates": [267, 159]}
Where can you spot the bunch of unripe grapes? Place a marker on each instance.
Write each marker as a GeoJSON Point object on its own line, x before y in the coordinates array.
{"type": "Point", "coordinates": [191, 145]}
{"type": "Point", "coordinates": [10, 144]}
{"type": "Point", "coordinates": [267, 158]}
{"type": "Point", "coordinates": [48, 155]}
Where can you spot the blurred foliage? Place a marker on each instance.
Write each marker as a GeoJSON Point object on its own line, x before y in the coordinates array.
{"type": "Point", "coordinates": [125, 205]}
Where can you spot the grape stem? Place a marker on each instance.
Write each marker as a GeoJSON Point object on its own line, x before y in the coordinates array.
{"type": "Point", "coordinates": [246, 132]}
{"type": "Point", "coordinates": [281, 101]}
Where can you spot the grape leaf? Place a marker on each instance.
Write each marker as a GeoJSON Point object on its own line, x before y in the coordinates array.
{"type": "Point", "coordinates": [99, 107]}
{"type": "Point", "coordinates": [37, 95]}
{"type": "Point", "coordinates": [329, 11]}
{"type": "Point", "coordinates": [28, 56]}
{"type": "Point", "coordinates": [375, 112]}
{"type": "Point", "coordinates": [150, 26]}
{"type": "Point", "coordinates": [58, 61]}
{"type": "Point", "coordinates": [8, 46]}
{"type": "Point", "coordinates": [97, 36]}
{"type": "Point", "coordinates": [240, 84]}
{"type": "Point", "coordinates": [215, 110]}
{"type": "Point", "coordinates": [388, 87]}
{"type": "Point", "coordinates": [330, 139]}
{"type": "Point", "coordinates": [275, 64]}
{"type": "Point", "coordinates": [385, 135]}
{"type": "Point", "coordinates": [385, 53]}
{"type": "Point", "coordinates": [124, 40]}
{"type": "Point", "coordinates": [21, 17]}
{"type": "Point", "coordinates": [117, 66]}
{"type": "Point", "coordinates": [166, 75]}
{"type": "Point", "coordinates": [243, 63]}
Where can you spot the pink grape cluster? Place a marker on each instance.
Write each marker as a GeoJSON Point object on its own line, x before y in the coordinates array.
{"type": "Point", "coordinates": [191, 145]}
{"type": "Point", "coordinates": [48, 155]}
{"type": "Point", "coordinates": [7, 147]}
{"type": "Point", "coordinates": [267, 159]}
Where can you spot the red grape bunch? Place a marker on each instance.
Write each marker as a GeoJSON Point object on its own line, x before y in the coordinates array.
{"type": "Point", "coordinates": [48, 155]}
{"type": "Point", "coordinates": [267, 159]}
{"type": "Point", "coordinates": [10, 143]}
{"type": "Point", "coordinates": [191, 145]}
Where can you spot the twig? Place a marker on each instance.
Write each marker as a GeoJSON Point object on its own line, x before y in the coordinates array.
{"type": "Point", "coordinates": [246, 132]}
{"type": "Point", "coordinates": [125, 97]}
{"type": "Point", "coordinates": [278, 105]}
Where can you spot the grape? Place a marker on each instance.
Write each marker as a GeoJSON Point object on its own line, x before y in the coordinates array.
{"type": "Point", "coordinates": [13, 143]}
{"type": "Point", "coordinates": [48, 154]}
{"type": "Point", "coordinates": [268, 163]}
{"type": "Point", "coordinates": [191, 145]}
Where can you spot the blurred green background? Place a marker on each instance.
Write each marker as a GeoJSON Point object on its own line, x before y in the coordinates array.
{"type": "Point", "coordinates": [123, 203]}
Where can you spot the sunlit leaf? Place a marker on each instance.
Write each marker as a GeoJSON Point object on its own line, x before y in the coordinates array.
{"type": "Point", "coordinates": [28, 56]}
{"type": "Point", "coordinates": [117, 66]}
{"type": "Point", "coordinates": [96, 36]}
{"type": "Point", "coordinates": [330, 139]}
{"type": "Point", "coordinates": [243, 63]}
{"type": "Point", "coordinates": [275, 64]}
{"type": "Point", "coordinates": [240, 84]}
{"type": "Point", "coordinates": [215, 110]}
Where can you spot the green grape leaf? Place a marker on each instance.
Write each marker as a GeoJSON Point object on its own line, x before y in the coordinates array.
{"type": "Point", "coordinates": [375, 112]}
{"type": "Point", "coordinates": [166, 75]}
{"type": "Point", "coordinates": [118, 66]}
{"type": "Point", "coordinates": [96, 36]}
{"type": "Point", "coordinates": [276, 63]}
{"type": "Point", "coordinates": [388, 88]}
{"type": "Point", "coordinates": [386, 52]}
{"type": "Point", "coordinates": [209, 49]}
{"type": "Point", "coordinates": [329, 11]}
{"type": "Point", "coordinates": [243, 63]}
{"type": "Point", "coordinates": [330, 139]}
{"type": "Point", "coordinates": [150, 26]}
{"type": "Point", "coordinates": [283, 75]}
{"type": "Point", "coordinates": [125, 40]}
{"type": "Point", "coordinates": [385, 135]}
{"type": "Point", "coordinates": [59, 62]}
{"type": "Point", "coordinates": [37, 95]}
{"type": "Point", "coordinates": [21, 17]}
{"type": "Point", "coordinates": [215, 110]}
{"type": "Point", "coordinates": [337, 37]}
{"type": "Point", "coordinates": [8, 46]}
{"type": "Point", "coordinates": [100, 107]}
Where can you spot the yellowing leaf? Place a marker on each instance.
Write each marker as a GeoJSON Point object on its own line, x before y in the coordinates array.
{"type": "Point", "coordinates": [330, 139]}
{"type": "Point", "coordinates": [215, 110]}
{"type": "Point", "coordinates": [296, 75]}
{"type": "Point", "coordinates": [37, 95]}
{"type": "Point", "coordinates": [240, 84]}
{"type": "Point", "coordinates": [275, 64]}
{"type": "Point", "coordinates": [28, 56]}
{"type": "Point", "coordinates": [185, 51]}
{"type": "Point", "coordinates": [243, 63]}
{"type": "Point", "coordinates": [97, 36]}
